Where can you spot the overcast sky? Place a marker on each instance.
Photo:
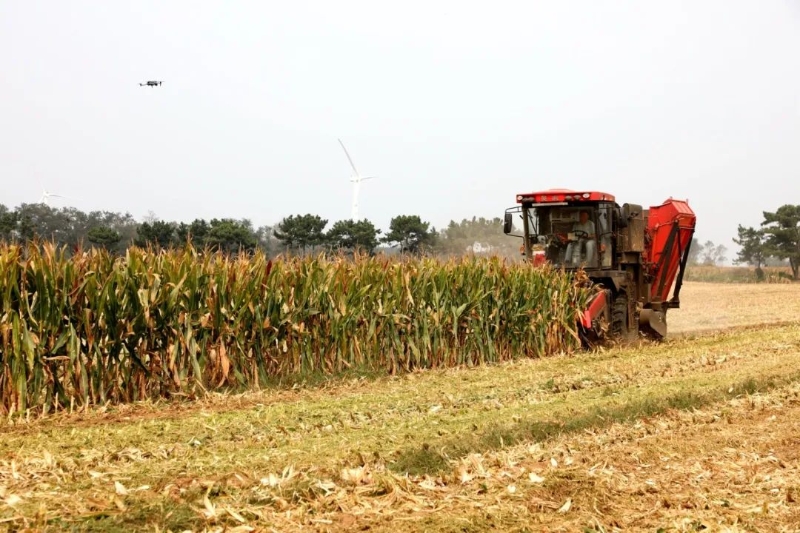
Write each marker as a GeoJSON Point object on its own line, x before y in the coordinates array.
{"type": "Point", "coordinates": [457, 106]}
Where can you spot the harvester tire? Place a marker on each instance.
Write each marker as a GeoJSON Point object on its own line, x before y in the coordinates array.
{"type": "Point", "coordinates": [619, 331]}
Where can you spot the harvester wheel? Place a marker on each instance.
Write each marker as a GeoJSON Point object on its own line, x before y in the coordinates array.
{"type": "Point", "coordinates": [608, 332]}
{"type": "Point", "coordinates": [620, 332]}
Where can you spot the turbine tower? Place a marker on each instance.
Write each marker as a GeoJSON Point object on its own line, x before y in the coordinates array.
{"type": "Point", "coordinates": [356, 179]}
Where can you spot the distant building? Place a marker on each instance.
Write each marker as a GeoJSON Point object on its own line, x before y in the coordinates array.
{"type": "Point", "coordinates": [479, 248]}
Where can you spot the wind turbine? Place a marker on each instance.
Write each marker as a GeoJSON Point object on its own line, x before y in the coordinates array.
{"type": "Point", "coordinates": [47, 195]}
{"type": "Point", "coordinates": [356, 179]}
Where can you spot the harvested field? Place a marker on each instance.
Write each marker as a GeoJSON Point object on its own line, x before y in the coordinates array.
{"type": "Point", "coordinates": [714, 306]}
{"type": "Point", "coordinates": [701, 430]}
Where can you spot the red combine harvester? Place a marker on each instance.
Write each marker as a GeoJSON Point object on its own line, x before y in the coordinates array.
{"type": "Point", "coordinates": [636, 256]}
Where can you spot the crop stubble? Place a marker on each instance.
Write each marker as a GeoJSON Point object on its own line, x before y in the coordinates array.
{"type": "Point", "coordinates": [714, 306]}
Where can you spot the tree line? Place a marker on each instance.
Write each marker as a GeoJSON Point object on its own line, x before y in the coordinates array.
{"type": "Point", "coordinates": [296, 234]}
{"type": "Point", "coordinates": [778, 237]}
{"type": "Point", "coordinates": [776, 241]}
{"type": "Point", "coordinates": [407, 234]}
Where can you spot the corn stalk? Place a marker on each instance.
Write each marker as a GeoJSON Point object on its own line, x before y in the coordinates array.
{"type": "Point", "coordinates": [90, 328]}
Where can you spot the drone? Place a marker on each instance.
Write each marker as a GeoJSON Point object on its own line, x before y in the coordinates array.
{"type": "Point", "coordinates": [151, 83]}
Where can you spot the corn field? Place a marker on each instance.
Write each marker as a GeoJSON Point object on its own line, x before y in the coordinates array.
{"type": "Point", "coordinates": [90, 328]}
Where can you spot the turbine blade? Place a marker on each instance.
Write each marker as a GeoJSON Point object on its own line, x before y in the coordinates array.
{"type": "Point", "coordinates": [348, 157]}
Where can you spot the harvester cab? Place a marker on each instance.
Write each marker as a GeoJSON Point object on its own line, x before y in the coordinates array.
{"type": "Point", "coordinates": [635, 257]}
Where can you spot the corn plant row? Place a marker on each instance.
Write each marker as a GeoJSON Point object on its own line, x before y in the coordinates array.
{"type": "Point", "coordinates": [89, 328]}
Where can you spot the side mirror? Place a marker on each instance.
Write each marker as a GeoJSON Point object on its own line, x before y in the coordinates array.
{"type": "Point", "coordinates": [508, 223]}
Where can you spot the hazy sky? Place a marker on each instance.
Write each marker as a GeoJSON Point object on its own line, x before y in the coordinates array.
{"type": "Point", "coordinates": [456, 106]}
